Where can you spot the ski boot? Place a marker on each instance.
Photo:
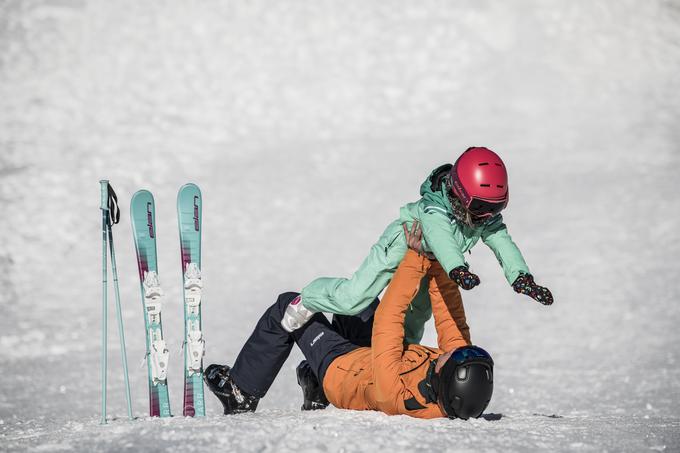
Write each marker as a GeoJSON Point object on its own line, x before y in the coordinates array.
{"type": "Point", "coordinates": [312, 392]}
{"type": "Point", "coordinates": [233, 399]}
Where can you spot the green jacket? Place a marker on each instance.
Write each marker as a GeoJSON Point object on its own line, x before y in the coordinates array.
{"type": "Point", "coordinates": [443, 236]}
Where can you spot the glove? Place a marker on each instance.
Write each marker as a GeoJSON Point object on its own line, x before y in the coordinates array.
{"type": "Point", "coordinates": [464, 278]}
{"type": "Point", "coordinates": [524, 284]}
{"type": "Point", "coordinates": [296, 315]}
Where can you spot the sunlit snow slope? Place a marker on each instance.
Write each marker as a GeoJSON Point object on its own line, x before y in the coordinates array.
{"type": "Point", "coordinates": [307, 125]}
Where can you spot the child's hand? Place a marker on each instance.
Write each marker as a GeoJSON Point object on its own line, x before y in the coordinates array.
{"type": "Point", "coordinates": [524, 284]}
{"type": "Point", "coordinates": [464, 278]}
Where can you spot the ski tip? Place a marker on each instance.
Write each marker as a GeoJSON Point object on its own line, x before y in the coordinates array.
{"type": "Point", "coordinates": [190, 186]}
{"type": "Point", "coordinates": [142, 209]}
{"type": "Point", "coordinates": [143, 193]}
{"type": "Point", "coordinates": [188, 190]}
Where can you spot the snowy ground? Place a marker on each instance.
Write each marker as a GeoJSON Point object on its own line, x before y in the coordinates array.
{"type": "Point", "coordinates": [307, 125]}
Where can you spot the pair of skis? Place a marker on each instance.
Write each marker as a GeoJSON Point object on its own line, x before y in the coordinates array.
{"type": "Point", "coordinates": [143, 214]}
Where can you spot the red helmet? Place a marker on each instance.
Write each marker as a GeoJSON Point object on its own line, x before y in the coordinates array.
{"type": "Point", "coordinates": [479, 180]}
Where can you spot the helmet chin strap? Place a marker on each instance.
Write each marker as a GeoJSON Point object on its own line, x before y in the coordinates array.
{"type": "Point", "coordinates": [428, 386]}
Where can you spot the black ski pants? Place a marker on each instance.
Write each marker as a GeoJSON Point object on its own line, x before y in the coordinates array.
{"type": "Point", "coordinates": [321, 342]}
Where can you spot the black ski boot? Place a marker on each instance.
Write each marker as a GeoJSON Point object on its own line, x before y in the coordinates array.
{"type": "Point", "coordinates": [223, 386]}
{"type": "Point", "coordinates": [312, 392]}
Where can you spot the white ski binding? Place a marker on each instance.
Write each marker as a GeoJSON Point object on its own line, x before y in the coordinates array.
{"type": "Point", "coordinates": [152, 296]}
{"type": "Point", "coordinates": [193, 286]}
{"type": "Point", "coordinates": [158, 351]}
{"type": "Point", "coordinates": [195, 350]}
{"type": "Point", "coordinates": [159, 361]}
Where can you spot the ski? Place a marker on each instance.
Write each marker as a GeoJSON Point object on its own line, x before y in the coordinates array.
{"type": "Point", "coordinates": [142, 213]}
{"type": "Point", "coordinates": [189, 219]}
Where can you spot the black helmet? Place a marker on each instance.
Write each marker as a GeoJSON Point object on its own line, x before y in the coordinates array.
{"type": "Point", "coordinates": [465, 383]}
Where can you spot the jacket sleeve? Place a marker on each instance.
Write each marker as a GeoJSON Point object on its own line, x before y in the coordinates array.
{"type": "Point", "coordinates": [387, 342]}
{"type": "Point", "coordinates": [447, 308]}
{"type": "Point", "coordinates": [439, 237]}
{"type": "Point", "coordinates": [496, 236]}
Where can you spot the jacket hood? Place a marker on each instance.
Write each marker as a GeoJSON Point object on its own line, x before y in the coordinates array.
{"type": "Point", "coordinates": [433, 189]}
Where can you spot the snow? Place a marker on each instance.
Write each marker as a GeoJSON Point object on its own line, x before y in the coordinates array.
{"type": "Point", "coordinates": [307, 125]}
{"type": "Point", "coordinates": [338, 430]}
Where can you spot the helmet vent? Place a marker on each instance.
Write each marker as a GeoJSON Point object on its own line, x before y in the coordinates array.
{"type": "Point", "coordinates": [484, 163]}
{"type": "Point", "coordinates": [499, 186]}
{"type": "Point", "coordinates": [498, 165]}
{"type": "Point", "coordinates": [485, 185]}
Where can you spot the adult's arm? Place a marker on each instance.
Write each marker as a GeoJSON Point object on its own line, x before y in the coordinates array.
{"type": "Point", "coordinates": [447, 309]}
{"type": "Point", "coordinates": [387, 343]}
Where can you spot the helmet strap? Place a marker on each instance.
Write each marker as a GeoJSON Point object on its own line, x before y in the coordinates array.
{"type": "Point", "coordinates": [428, 386]}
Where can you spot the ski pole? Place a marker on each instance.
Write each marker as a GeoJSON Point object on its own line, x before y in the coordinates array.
{"type": "Point", "coordinates": [104, 206]}
{"type": "Point", "coordinates": [119, 316]}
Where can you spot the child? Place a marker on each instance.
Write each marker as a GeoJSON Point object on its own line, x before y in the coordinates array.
{"type": "Point", "coordinates": [460, 204]}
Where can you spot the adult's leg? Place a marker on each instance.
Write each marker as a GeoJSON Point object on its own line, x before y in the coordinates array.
{"type": "Point", "coordinates": [357, 329]}
{"type": "Point", "coordinates": [268, 347]}
{"type": "Point", "coordinates": [320, 343]}
{"type": "Point", "coordinates": [265, 351]}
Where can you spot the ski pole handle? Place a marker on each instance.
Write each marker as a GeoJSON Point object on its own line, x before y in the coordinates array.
{"type": "Point", "coordinates": [104, 184]}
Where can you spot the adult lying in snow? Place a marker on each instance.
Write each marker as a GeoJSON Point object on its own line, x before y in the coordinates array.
{"type": "Point", "coordinates": [454, 380]}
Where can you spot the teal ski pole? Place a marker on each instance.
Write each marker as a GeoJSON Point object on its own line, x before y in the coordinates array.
{"type": "Point", "coordinates": [114, 217]}
{"type": "Point", "coordinates": [104, 206]}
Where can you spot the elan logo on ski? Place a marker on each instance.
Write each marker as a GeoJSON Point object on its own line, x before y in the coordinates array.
{"type": "Point", "coordinates": [196, 221]}
{"type": "Point", "coordinates": [149, 219]}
